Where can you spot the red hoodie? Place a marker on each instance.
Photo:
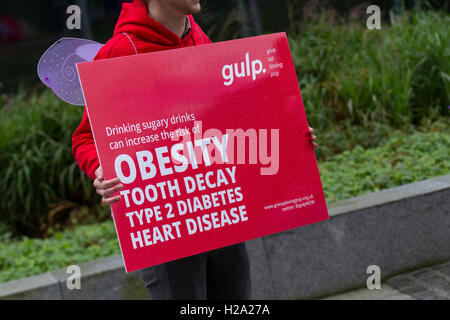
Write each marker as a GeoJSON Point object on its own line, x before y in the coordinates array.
{"type": "Point", "coordinates": [135, 32]}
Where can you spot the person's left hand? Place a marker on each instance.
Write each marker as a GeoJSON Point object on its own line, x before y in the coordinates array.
{"type": "Point", "coordinates": [313, 137]}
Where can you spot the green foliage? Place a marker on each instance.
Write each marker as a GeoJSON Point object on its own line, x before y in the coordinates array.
{"type": "Point", "coordinates": [38, 173]}
{"type": "Point", "coordinates": [402, 160]}
{"type": "Point", "coordinates": [28, 257]}
{"type": "Point", "coordinates": [345, 136]}
{"type": "Point", "coordinates": [395, 76]}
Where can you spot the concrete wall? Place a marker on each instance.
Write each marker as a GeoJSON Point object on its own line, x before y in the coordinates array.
{"type": "Point", "coordinates": [397, 229]}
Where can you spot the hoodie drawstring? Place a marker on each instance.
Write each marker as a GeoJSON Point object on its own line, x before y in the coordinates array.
{"type": "Point", "coordinates": [135, 50]}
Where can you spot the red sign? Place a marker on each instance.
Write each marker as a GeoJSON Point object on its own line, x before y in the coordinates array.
{"type": "Point", "coordinates": [210, 142]}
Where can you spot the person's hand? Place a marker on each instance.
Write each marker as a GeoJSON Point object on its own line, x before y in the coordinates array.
{"type": "Point", "coordinates": [106, 188]}
{"type": "Point", "coordinates": [313, 137]}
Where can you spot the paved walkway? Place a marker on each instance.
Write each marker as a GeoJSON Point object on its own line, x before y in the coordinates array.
{"type": "Point", "coordinates": [431, 283]}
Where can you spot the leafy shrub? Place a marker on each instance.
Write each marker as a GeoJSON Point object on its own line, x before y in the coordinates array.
{"type": "Point", "coordinates": [28, 257]}
{"type": "Point", "coordinates": [402, 160]}
{"type": "Point", "coordinates": [396, 76]}
{"type": "Point", "coordinates": [39, 178]}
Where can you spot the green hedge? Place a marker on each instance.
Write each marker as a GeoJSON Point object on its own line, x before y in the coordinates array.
{"type": "Point", "coordinates": [40, 181]}
{"type": "Point", "coordinates": [397, 75]}
{"type": "Point", "coordinates": [29, 256]}
{"type": "Point", "coordinates": [401, 160]}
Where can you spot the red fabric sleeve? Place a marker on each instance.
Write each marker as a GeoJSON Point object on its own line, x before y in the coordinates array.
{"type": "Point", "coordinates": [207, 40]}
{"type": "Point", "coordinates": [83, 146]}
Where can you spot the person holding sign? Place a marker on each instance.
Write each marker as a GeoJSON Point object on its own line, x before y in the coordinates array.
{"type": "Point", "coordinates": [148, 26]}
{"type": "Point", "coordinates": [224, 273]}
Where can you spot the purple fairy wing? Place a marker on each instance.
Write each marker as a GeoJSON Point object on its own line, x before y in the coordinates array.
{"type": "Point", "coordinates": [57, 69]}
{"type": "Point", "coordinates": [88, 51]}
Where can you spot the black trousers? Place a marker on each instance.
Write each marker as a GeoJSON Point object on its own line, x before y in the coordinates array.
{"type": "Point", "coordinates": [219, 274]}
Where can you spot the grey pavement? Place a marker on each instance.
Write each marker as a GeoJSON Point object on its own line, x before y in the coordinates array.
{"type": "Point", "coordinates": [431, 283]}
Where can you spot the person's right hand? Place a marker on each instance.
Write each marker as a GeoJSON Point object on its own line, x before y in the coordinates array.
{"type": "Point", "coordinates": [107, 188]}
